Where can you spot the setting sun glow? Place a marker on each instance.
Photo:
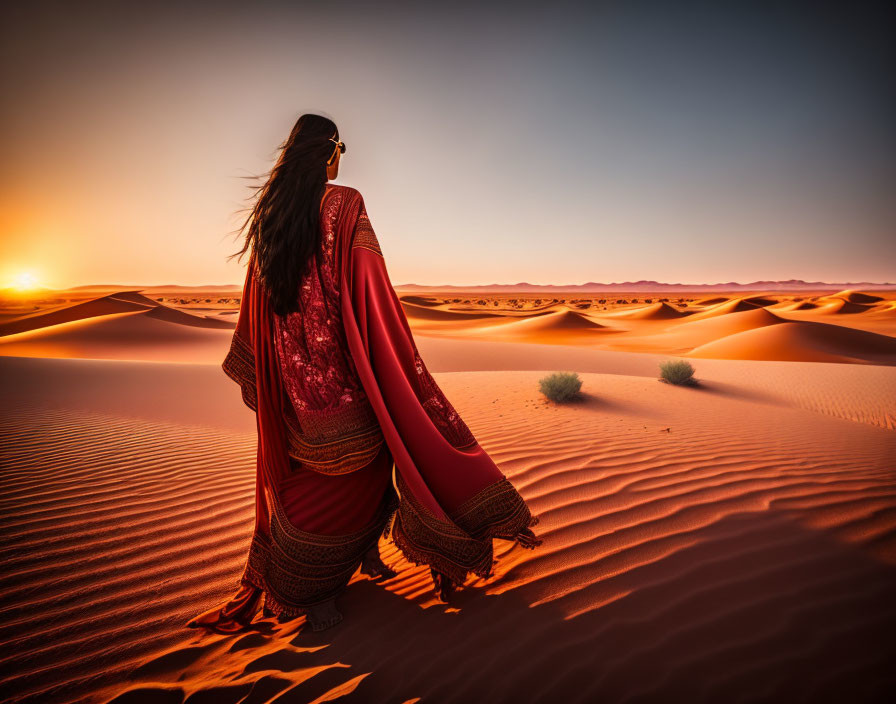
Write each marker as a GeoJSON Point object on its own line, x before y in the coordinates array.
{"type": "Point", "coordinates": [25, 281]}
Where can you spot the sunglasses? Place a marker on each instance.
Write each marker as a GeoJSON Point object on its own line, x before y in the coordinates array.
{"type": "Point", "coordinates": [340, 148]}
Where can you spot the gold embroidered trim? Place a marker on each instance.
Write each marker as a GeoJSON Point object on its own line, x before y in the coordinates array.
{"type": "Point", "coordinates": [297, 569]}
{"type": "Point", "coordinates": [365, 236]}
{"type": "Point", "coordinates": [353, 438]}
{"type": "Point", "coordinates": [361, 435]}
{"type": "Point", "coordinates": [239, 365]}
{"type": "Point", "coordinates": [458, 548]}
{"type": "Point", "coordinates": [498, 511]}
{"type": "Point", "coordinates": [319, 426]}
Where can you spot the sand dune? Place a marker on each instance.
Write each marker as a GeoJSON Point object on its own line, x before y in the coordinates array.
{"type": "Point", "coordinates": [693, 331]}
{"type": "Point", "coordinates": [123, 325]}
{"type": "Point", "coordinates": [563, 320]}
{"type": "Point", "coordinates": [854, 296]}
{"type": "Point", "coordinates": [734, 305]}
{"type": "Point", "coordinates": [105, 305]}
{"type": "Point", "coordinates": [111, 304]}
{"type": "Point", "coordinates": [885, 310]}
{"type": "Point", "coordinates": [173, 315]}
{"type": "Point", "coordinates": [654, 311]}
{"type": "Point", "coordinates": [760, 300]}
{"type": "Point", "coordinates": [419, 300]}
{"type": "Point", "coordinates": [424, 312]}
{"type": "Point", "coordinates": [699, 546]}
{"type": "Point", "coordinates": [148, 334]}
{"type": "Point", "coordinates": [840, 306]}
{"type": "Point", "coordinates": [178, 317]}
{"type": "Point", "coordinates": [720, 326]}
{"type": "Point", "coordinates": [556, 327]}
{"type": "Point", "coordinates": [134, 297]}
{"type": "Point", "coordinates": [794, 305]}
{"type": "Point", "coordinates": [757, 333]}
{"type": "Point", "coordinates": [803, 341]}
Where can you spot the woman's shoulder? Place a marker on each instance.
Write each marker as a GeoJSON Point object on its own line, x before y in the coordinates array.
{"type": "Point", "coordinates": [344, 191]}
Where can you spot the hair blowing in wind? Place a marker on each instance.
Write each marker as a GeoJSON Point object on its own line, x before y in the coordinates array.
{"type": "Point", "coordinates": [283, 225]}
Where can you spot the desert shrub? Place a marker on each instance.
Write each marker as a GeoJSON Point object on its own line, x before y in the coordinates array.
{"type": "Point", "coordinates": [560, 386]}
{"type": "Point", "coordinates": [677, 371]}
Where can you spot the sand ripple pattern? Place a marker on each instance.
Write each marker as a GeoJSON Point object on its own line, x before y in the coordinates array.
{"type": "Point", "coordinates": [112, 530]}
{"type": "Point", "coordinates": [698, 547]}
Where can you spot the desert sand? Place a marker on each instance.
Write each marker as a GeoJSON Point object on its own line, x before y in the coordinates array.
{"type": "Point", "coordinates": [730, 541]}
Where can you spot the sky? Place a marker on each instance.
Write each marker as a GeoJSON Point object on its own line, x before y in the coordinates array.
{"type": "Point", "coordinates": [691, 142]}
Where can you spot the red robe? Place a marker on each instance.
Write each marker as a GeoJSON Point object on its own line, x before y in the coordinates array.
{"type": "Point", "coordinates": [341, 397]}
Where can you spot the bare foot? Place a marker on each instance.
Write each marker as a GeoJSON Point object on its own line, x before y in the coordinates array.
{"type": "Point", "coordinates": [373, 566]}
{"type": "Point", "coordinates": [323, 616]}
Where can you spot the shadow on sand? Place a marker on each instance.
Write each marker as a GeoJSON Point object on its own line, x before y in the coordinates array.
{"type": "Point", "coordinates": [757, 608]}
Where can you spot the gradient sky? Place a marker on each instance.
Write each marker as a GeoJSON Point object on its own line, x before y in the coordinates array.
{"type": "Point", "coordinates": [674, 141]}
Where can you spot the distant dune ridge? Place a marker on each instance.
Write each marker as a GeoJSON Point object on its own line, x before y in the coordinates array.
{"type": "Point", "coordinates": [195, 326]}
{"type": "Point", "coordinates": [702, 327]}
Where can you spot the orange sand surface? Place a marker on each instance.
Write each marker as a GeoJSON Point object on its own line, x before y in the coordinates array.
{"type": "Point", "coordinates": [730, 541]}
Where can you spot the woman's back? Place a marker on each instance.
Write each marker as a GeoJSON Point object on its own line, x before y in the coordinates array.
{"type": "Point", "coordinates": [330, 416]}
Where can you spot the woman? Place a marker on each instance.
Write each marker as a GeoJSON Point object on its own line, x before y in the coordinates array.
{"type": "Point", "coordinates": [324, 356]}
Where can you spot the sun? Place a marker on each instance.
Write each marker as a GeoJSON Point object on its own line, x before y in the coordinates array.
{"type": "Point", "coordinates": [25, 281]}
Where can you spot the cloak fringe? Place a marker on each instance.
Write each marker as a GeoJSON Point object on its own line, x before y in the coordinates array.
{"type": "Point", "coordinates": [496, 512]}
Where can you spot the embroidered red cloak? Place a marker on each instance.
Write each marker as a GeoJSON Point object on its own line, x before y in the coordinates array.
{"type": "Point", "coordinates": [341, 397]}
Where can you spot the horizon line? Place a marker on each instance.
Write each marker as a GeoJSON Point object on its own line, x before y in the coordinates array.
{"type": "Point", "coordinates": [642, 282]}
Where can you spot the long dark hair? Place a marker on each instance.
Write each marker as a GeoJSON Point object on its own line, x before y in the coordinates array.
{"type": "Point", "coordinates": [283, 225]}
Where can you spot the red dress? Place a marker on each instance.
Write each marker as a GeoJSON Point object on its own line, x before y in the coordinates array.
{"type": "Point", "coordinates": [341, 396]}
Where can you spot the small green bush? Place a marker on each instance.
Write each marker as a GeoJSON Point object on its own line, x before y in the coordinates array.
{"type": "Point", "coordinates": [561, 386]}
{"type": "Point", "coordinates": [677, 371]}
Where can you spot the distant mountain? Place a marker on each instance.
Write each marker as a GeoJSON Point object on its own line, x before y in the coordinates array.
{"type": "Point", "coordinates": [632, 286]}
